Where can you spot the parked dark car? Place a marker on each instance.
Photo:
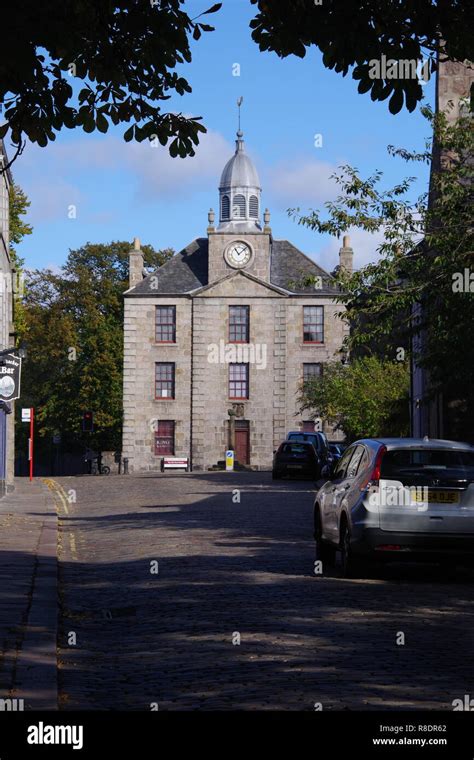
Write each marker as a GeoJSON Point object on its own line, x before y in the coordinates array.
{"type": "Point", "coordinates": [397, 499]}
{"type": "Point", "coordinates": [320, 443]}
{"type": "Point", "coordinates": [296, 458]}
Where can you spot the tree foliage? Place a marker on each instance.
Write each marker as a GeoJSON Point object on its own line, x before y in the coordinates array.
{"type": "Point", "coordinates": [351, 34]}
{"type": "Point", "coordinates": [89, 64]}
{"type": "Point", "coordinates": [365, 399]}
{"type": "Point", "coordinates": [421, 288]}
{"type": "Point", "coordinates": [74, 337]}
{"type": "Point", "coordinates": [18, 227]}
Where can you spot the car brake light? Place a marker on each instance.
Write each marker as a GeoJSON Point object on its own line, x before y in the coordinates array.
{"type": "Point", "coordinates": [374, 477]}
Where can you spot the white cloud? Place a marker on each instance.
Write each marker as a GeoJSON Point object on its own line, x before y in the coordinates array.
{"type": "Point", "coordinates": [53, 177]}
{"type": "Point", "coordinates": [301, 182]}
{"type": "Point", "coordinates": [50, 200]}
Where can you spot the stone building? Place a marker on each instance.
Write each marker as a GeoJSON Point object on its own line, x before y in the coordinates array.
{"type": "Point", "coordinates": [440, 416]}
{"type": "Point", "coordinates": [228, 324]}
{"type": "Point", "coordinates": [7, 436]}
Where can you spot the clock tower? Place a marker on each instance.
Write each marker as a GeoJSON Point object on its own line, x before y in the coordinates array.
{"type": "Point", "coordinates": [239, 242]}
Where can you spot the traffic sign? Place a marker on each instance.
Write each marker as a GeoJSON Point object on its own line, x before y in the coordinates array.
{"type": "Point", "coordinates": [26, 415]}
{"type": "Point", "coordinates": [229, 460]}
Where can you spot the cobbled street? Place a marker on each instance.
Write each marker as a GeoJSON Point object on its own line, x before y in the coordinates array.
{"type": "Point", "coordinates": [228, 570]}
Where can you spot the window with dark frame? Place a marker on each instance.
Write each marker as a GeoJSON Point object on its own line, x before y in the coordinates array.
{"type": "Point", "coordinates": [164, 438]}
{"type": "Point", "coordinates": [239, 324]}
{"type": "Point", "coordinates": [165, 324]}
{"type": "Point", "coordinates": [311, 371]}
{"type": "Point", "coordinates": [313, 324]}
{"type": "Point", "coordinates": [238, 381]}
{"type": "Point", "coordinates": [164, 380]}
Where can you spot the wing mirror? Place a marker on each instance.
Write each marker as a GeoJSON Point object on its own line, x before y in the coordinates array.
{"type": "Point", "coordinates": [328, 471]}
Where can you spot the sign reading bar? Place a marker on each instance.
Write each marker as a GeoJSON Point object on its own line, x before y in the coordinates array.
{"type": "Point", "coordinates": [10, 376]}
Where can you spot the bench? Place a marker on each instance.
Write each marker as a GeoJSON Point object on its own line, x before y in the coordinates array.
{"type": "Point", "coordinates": [175, 463]}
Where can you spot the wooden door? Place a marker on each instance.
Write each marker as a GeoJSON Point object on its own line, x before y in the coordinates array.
{"type": "Point", "coordinates": [242, 442]}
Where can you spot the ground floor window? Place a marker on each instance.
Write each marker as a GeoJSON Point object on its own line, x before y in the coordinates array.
{"type": "Point", "coordinates": [311, 371]}
{"type": "Point", "coordinates": [164, 438]}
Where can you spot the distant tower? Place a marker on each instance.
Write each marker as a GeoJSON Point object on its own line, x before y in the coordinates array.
{"type": "Point", "coordinates": [239, 191]}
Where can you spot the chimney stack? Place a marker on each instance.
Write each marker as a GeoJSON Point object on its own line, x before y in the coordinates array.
{"type": "Point", "coordinates": [346, 255]}
{"type": "Point", "coordinates": [135, 258]}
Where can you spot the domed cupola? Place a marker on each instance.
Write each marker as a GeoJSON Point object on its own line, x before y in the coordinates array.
{"type": "Point", "coordinates": [239, 193]}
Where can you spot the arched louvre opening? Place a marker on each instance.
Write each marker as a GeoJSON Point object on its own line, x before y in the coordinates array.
{"type": "Point", "coordinates": [238, 207]}
{"type": "Point", "coordinates": [225, 207]}
{"type": "Point", "coordinates": [253, 207]}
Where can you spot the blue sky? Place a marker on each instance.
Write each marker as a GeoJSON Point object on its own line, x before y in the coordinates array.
{"type": "Point", "coordinates": [122, 190]}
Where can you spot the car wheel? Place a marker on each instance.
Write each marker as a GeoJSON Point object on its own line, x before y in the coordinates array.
{"type": "Point", "coordinates": [275, 475]}
{"type": "Point", "coordinates": [324, 551]}
{"type": "Point", "coordinates": [352, 567]}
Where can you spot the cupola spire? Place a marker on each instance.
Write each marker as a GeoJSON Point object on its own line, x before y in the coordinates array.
{"type": "Point", "coordinates": [239, 190]}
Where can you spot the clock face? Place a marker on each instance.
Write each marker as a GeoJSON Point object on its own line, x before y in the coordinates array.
{"type": "Point", "coordinates": [238, 254]}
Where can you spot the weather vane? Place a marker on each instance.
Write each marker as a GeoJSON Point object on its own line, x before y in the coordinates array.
{"type": "Point", "coordinates": [239, 103]}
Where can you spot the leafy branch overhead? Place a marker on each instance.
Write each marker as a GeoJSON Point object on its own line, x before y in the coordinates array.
{"type": "Point", "coordinates": [352, 34]}
{"type": "Point", "coordinates": [91, 64]}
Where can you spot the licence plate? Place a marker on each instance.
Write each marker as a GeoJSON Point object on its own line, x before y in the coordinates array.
{"type": "Point", "coordinates": [439, 497]}
{"type": "Point", "coordinates": [295, 466]}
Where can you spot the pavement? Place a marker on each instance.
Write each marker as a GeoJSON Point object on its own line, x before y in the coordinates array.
{"type": "Point", "coordinates": [28, 596]}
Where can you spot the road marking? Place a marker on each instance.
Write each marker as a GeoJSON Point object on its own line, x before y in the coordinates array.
{"type": "Point", "coordinates": [61, 500]}
{"type": "Point", "coordinates": [58, 491]}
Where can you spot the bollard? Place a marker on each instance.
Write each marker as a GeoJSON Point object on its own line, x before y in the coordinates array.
{"type": "Point", "coordinates": [125, 466]}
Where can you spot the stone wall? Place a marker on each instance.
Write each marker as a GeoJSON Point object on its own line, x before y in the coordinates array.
{"type": "Point", "coordinates": [141, 352]}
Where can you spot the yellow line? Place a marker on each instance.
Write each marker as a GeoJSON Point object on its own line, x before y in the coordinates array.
{"type": "Point", "coordinates": [58, 491]}
{"type": "Point", "coordinates": [61, 500]}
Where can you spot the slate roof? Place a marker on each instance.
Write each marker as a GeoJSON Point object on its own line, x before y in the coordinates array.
{"type": "Point", "coordinates": [289, 266]}
{"type": "Point", "coordinates": [186, 271]}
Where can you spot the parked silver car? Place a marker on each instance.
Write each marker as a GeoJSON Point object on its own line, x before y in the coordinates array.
{"type": "Point", "coordinates": [397, 498]}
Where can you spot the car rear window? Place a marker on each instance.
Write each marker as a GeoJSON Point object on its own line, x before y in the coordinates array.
{"type": "Point", "coordinates": [402, 461]}
{"type": "Point", "coordinates": [296, 448]}
{"type": "Point", "coordinates": [307, 438]}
